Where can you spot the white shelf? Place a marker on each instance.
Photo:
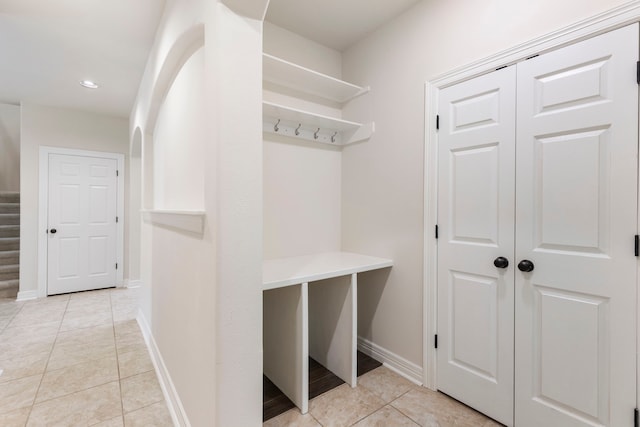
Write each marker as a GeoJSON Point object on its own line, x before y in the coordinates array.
{"type": "Point", "coordinates": [191, 221]}
{"type": "Point", "coordinates": [296, 116]}
{"type": "Point", "coordinates": [312, 126]}
{"type": "Point", "coordinates": [293, 76]}
{"type": "Point", "coordinates": [290, 300]}
{"type": "Point", "coordinates": [277, 273]}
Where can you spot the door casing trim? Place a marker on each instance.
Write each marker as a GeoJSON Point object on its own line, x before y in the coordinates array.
{"type": "Point", "coordinates": [43, 203]}
{"type": "Point", "coordinates": [612, 19]}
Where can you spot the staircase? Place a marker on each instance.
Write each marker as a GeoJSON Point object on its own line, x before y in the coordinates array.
{"type": "Point", "coordinates": [9, 243]}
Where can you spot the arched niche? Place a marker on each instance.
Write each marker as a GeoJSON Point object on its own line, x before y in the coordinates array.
{"type": "Point", "coordinates": [175, 128]}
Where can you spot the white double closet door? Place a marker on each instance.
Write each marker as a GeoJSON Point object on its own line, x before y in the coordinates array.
{"type": "Point", "coordinates": [538, 166]}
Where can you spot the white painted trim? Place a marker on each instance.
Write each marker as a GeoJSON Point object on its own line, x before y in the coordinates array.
{"type": "Point", "coordinates": [43, 203]}
{"type": "Point", "coordinates": [174, 404]}
{"type": "Point", "coordinates": [26, 295]}
{"type": "Point", "coordinates": [191, 221]}
{"type": "Point", "coordinates": [430, 271]}
{"type": "Point", "coordinates": [606, 21]}
{"type": "Point", "coordinates": [131, 284]}
{"type": "Point", "coordinates": [398, 364]}
{"type": "Point", "coordinates": [615, 18]}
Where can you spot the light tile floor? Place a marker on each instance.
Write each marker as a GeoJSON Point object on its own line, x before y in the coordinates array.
{"type": "Point", "coordinates": [81, 360]}
{"type": "Point", "coordinates": [77, 360]}
{"type": "Point", "coordinates": [383, 399]}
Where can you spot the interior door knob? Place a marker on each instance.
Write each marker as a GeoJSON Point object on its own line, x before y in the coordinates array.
{"type": "Point", "coordinates": [53, 231]}
{"type": "Point", "coordinates": [525, 265]}
{"type": "Point", "coordinates": [501, 262]}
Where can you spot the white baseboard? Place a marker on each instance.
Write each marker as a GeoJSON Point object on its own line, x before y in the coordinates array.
{"type": "Point", "coordinates": [26, 295]}
{"type": "Point", "coordinates": [132, 283]}
{"type": "Point", "coordinates": [398, 364]}
{"type": "Point", "coordinates": [174, 404]}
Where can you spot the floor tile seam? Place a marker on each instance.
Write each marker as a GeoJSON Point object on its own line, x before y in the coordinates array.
{"type": "Point", "coordinates": [23, 325]}
{"type": "Point", "coordinates": [162, 400]}
{"type": "Point", "coordinates": [400, 410]}
{"type": "Point", "coordinates": [137, 373]}
{"type": "Point", "coordinates": [76, 364]}
{"type": "Point", "coordinates": [11, 317]}
{"type": "Point", "coordinates": [368, 415]}
{"type": "Point", "coordinates": [315, 419]}
{"type": "Point", "coordinates": [35, 396]}
{"type": "Point", "coordinates": [75, 392]}
{"type": "Point", "coordinates": [85, 327]}
{"type": "Point", "coordinates": [115, 344]}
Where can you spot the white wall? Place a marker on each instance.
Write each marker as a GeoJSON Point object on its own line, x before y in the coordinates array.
{"type": "Point", "coordinates": [179, 145]}
{"type": "Point", "coordinates": [302, 180]}
{"type": "Point", "coordinates": [302, 51]}
{"type": "Point", "coordinates": [58, 127]}
{"type": "Point", "coordinates": [9, 147]}
{"type": "Point", "coordinates": [202, 292]}
{"type": "Point", "coordinates": [382, 193]}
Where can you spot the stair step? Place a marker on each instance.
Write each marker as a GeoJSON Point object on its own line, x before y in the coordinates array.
{"type": "Point", "coordinates": [9, 257]}
{"type": "Point", "coordinates": [9, 230]}
{"type": "Point", "coordinates": [9, 288]}
{"type": "Point", "coordinates": [9, 208]}
{"type": "Point", "coordinates": [9, 272]}
{"type": "Point", "coordinates": [9, 197]}
{"type": "Point", "coordinates": [10, 219]}
{"type": "Point", "coordinates": [9, 243]}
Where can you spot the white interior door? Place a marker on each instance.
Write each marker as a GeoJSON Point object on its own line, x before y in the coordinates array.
{"type": "Point", "coordinates": [81, 223]}
{"type": "Point", "coordinates": [577, 157]}
{"type": "Point", "coordinates": [476, 151]}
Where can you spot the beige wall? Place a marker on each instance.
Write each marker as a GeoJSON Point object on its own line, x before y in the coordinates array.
{"type": "Point", "coordinates": [57, 127]}
{"type": "Point", "coordinates": [302, 179]}
{"type": "Point", "coordinates": [202, 292]}
{"type": "Point", "coordinates": [9, 147]}
{"type": "Point", "coordinates": [382, 192]}
{"type": "Point", "coordinates": [179, 143]}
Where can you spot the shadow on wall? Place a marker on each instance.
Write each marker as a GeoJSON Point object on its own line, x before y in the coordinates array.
{"type": "Point", "coordinates": [371, 286]}
{"type": "Point", "coordinates": [9, 172]}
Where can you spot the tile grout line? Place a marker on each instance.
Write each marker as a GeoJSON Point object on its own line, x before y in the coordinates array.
{"type": "Point", "coordinates": [115, 343]}
{"type": "Point", "coordinates": [399, 410]}
{"type": "Point", "coordinates": [48, 359]}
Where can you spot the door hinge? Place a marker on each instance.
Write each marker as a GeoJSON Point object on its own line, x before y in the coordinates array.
{"type": "Point", "coordinates": [117, 172]}
{"type": "Point", "coordinates": [435, 341]}
{"type": "Point", "coordinates": [116, 219]}
{"type": "Point", "coordinates": [636, 418]}
{"type": "Point", "coordinates": [436, 231]}
{"type": "Point", "coordinates": [116, 265]}
{"type": "Point", "coordinates": [438, 122]}
{"type": "Point", "coordinates": [636, 249]}
{"type": "Point", "coordinates": [638, 72]}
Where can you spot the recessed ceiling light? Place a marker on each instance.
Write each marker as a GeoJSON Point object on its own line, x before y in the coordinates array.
{"type": "Point", "coordinates": [88, 84]}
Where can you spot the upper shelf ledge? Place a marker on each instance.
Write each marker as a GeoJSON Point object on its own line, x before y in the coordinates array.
{"type": "Point", "coordinates": [293, 76]}
{"type": "Point", "coordinates": [191, 221]}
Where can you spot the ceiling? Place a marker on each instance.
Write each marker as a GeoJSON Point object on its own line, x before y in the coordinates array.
{"type": "Point", "coordinates": [48, 46]}
{"type": "Point", "coordinates": [334, 23]}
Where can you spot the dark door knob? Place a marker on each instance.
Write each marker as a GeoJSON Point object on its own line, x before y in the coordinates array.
{"type": "Point", "coordinates": [501, 262]}
{"type": "Point", "coordinates": [525, 265]}
{"type": "Point", "coordinates": [53, 231]}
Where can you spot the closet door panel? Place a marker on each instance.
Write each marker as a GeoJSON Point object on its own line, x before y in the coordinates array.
{"type": "Point", "coordinates": [476, 223]}
{"type": "Point", "coordinates": [576, 216]}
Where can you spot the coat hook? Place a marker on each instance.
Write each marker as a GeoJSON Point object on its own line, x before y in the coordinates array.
{"type": "Point", "coordinates": [276, 128]}
{"type": "Point", "coordinates": [315, 134]}
{"type": "Point", "coordinates": [333, 137]}
{"type": "Point", "coordinates": [298, 129]}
